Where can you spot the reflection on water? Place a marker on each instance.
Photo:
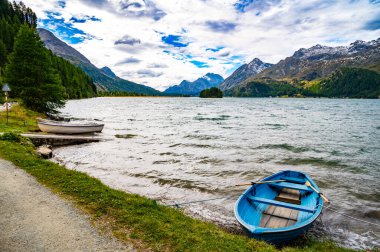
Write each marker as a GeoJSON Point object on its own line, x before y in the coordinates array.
{"type": "Point", "coordinates": [186, 149]}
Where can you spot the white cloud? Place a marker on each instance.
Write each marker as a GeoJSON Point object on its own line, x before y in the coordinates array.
{"type": "Point", "coordinates": [268, 31]}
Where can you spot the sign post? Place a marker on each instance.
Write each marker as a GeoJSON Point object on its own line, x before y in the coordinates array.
{"type": "Point", "coordinates": [6, 89]}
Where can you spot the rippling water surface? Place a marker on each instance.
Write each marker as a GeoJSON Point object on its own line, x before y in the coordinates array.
{"type": "Point", "coordinates": [186, 149]}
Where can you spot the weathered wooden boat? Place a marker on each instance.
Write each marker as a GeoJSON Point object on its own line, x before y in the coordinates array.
{"type": "Point", "coordinates": [280, 207]}
{"type": "Point", "coordinates": [68, 128]}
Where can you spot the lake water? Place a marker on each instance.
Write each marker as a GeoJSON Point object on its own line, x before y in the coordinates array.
{"type": "Point", "coordinates": [187, 149]}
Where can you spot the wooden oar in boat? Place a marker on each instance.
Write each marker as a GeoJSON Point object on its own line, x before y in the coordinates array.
{"type": "Point", "coordinates": [315, 190]}
{"type": "Point", "coordinates": [261, 182]}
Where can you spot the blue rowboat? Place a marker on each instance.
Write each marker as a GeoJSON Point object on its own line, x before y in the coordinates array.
{"type": "Point", "coordinates": [280, 207]}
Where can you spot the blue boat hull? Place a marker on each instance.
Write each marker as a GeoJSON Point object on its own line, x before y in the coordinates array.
{"type": "Point", "coordinates": [279, 237]}
{"type": "Point", "coordinates": [252, 203]}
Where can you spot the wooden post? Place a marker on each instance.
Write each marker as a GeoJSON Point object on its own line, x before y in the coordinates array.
{"type": "Point", "coordinates": [6, 104]}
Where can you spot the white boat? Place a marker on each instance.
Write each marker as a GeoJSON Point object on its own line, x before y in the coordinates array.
{"type": "Point", "coordinates": [68, 128]}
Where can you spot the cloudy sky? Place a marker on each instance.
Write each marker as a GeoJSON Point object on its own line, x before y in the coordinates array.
{"type": "Point", "coordinates": [161, 42]}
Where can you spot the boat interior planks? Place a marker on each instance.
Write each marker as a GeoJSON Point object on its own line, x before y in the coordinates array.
{"type": "Point", "coordinates": [276, 216]}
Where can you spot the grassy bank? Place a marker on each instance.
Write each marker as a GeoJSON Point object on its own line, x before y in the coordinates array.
{"type": "Point", "coordinates": [19, 120]}
{"type": "Point", "coordinates": [135, 218]}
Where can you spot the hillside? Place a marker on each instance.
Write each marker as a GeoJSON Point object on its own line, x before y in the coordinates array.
{"type": "Point", "coordinates": [194, 88]}
{"type": "Point", "coordinates": [102, 78]}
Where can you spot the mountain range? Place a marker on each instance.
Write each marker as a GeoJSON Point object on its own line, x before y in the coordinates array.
{"type": "Point", "coordinates": [308, 69]}
{"type": "Point", "coordinates": [104, 78]}
{"type": "Point", "coordinates": [319, 61]}
{"type": "Point", "coordinates": [303, 73]}
{"type": "Point", "coordinates": [194, 88]}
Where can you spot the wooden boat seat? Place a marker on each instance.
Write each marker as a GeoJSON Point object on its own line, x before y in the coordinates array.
{"type": "Point", "coordinates": [294, 186]}
{"type": "Point", "coordinates": [289, 196]}
{"type": "Point", "coordinates": [281, 204]}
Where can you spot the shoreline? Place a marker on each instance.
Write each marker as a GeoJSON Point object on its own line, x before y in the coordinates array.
{"type": "Point", "coordinates": [129, 215]}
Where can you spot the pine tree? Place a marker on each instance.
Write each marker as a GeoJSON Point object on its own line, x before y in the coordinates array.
{"type": "Point", "coordinates": [3, 53]}
{"type": "Point", "coordinates": [30, 73]}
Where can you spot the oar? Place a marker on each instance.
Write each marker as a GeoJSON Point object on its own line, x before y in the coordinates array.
{"type": "Point", "coordinates": [261, 182]}
{"type": "Point", "coordinates": [315, 190]}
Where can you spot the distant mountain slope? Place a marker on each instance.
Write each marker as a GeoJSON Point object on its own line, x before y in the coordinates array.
{"type": "Point", "coordinates": [103, 79]}
{"type": "Point", "coordinates": [195, 87]}
{"type": "Point", "coordinates": [320, 61]}
{"type": "Point", "coordinates": [244, 72]}
{"type": "Point", "coordinates": [108, 72]}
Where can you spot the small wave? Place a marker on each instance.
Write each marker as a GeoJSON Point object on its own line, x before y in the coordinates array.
{"type": "Point", "coordinates": [170, 161]}
{"type": "Point", "coordinates": [167, 154]}
{"type": "Point", "coordinates": [125, 136]}
{"type": "Point", "coordinates": [202, 137]}
{"type": "Point", "coordinates": [375, 196]}
{"type": "Point", "coordinates": [275, 125]}
{"type": "Point", "coordinates": [186, 184]}
{"type": "Point", "coordinates": [374, 214]}
{"type": "Point", "coordinates": [174, 145]}
{"type": "Point", "coordinates": [218, 118]}
{"type": "Point", "coordinates": [213, 161]}
{"type": "Point", "coordinates": [284, 147]}
{"type": "Point", "coordinates": [201, 146]}
{"type": "Point", "coordinates": [320, 162]}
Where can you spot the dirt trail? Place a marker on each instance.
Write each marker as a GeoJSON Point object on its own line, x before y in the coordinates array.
{"type": "Point", "coordinates": [32, 218]}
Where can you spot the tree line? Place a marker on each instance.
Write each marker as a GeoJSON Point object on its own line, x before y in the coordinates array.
{"type": "Point", "coordinates": [40, 79]}
{"type": "Point", "coordinates": [344, 82]}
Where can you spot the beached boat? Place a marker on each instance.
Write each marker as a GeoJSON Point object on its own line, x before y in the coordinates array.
{"type": "Point", "coordinates": [280, 207]}
{"type": "Point", "coordinates": [69, 128]}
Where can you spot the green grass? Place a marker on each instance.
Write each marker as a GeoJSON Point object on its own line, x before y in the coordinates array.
{"type": "Point", "coordinates": [20, 120]}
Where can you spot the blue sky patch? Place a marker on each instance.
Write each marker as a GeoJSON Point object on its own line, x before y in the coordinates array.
{"type": "Point", "coordinates": [373, 25]}
{"type": "Point", "coordinates": [233, 68]}
{"type": "Point", "coordinates": [217, 49]}
{"type": "Point", "coordinates": [62, 4]}
{"type": "Point", "coordinates": [174, 40]}
{"type": "Point", "coordinates": [66, 31]}
{"type": "Point", "coordinates": [258, 6]}
{"type": "Point", "coordinates": [336, 40]}
{"type": "Point", "coordinates": [236, 57]}
{"type": "Point", "coordinates": [241, 5]}
{"type": "Point", "coordinates": [199, 64]}
{"type": "Point", "coordinates": [84, 19]}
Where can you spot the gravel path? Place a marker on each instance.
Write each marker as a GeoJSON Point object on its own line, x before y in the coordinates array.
{"type": "Point", "coordinates": [32, 218]}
